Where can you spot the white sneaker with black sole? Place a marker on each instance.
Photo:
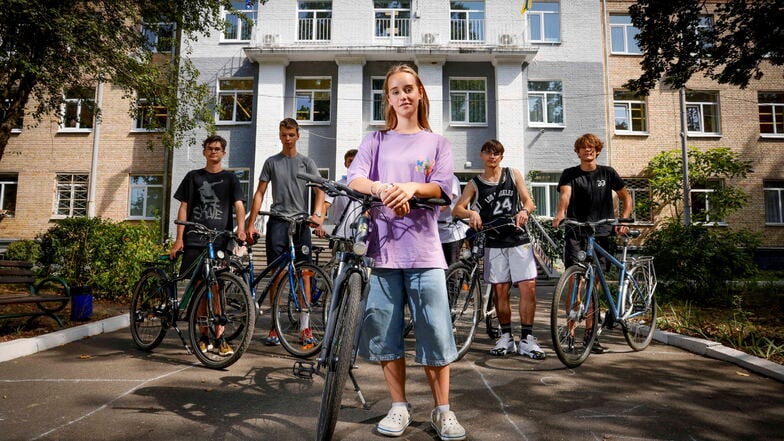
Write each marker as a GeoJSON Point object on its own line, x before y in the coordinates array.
{"type": "Point", "coordinates": [530, 347]}
{"type": "Point", "coordinates": [504, 345]}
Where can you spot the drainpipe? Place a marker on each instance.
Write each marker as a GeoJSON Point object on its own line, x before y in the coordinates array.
{"type": "Point", "coordinates": [685, 159]}
{"type": "Point", "coordinates": [91, 189]}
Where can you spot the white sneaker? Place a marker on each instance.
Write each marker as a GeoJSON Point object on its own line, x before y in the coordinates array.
{"type": "Point", "coordinates": [396, 421]}
{"type": "Point", "coordinates": [446, 426]}
{"type": "Point", "coordinates": [530, 347]}
{"type": "Point", "coordinates": [504, 345]}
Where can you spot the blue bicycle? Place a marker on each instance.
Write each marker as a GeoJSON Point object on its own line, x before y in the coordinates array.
{"type": "Point", "coordinates": [575, 318]}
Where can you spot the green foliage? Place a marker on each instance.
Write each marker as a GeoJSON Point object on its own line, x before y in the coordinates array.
{"type": "Point", "coordinates": [664, 172]}
{"type": "Point", "coordinates": [27, 250]}
{"type": "Point", "coordinates": [696, 262]}
{"type": "Point", "coordinates": [100, 253]}
{"type": "Point", "coordinates": [675, 47]}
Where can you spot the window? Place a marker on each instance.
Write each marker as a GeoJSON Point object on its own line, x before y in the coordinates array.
{"type": "Point", "coordinates": [377, 98]}
{"type": "Point", "coordinates": [235, 100]}
{"type": "Point", "coordinates": [774, 201]}
{"type": "Point", "coordinates": [630, 113]}
{"type": "Point", "coordinates": [150, 116]}
{"type": "Point", "coordinates": [545, 103]}
{"type": "Point", "coordinates": [146, 197]}
{"type": "Point", "coordinates": [243, 175]}
{"type": "Point", "coordinates": [705, 31]}
{"type": "Point", "coordinates": [700, 199]}
{"type": "Point", "coordinates": [544, 22]}
{"type": "Point", "coordinates": [78, 110]}
{"type": "Point", "coordinates": [468, 100]}
{"type": "Point", "coordinates": [642, 204]}
{"type": "Point", "coordinates": [4, 111]}
{"type": "Point", "coordinates": [71, 197]}
{"type": "Point", "coordinates": [8, 185]}
{"type": "Point", "coordinates": [622, 33]}
{"type": "Point", "coordinates": [702, 112]}
{"type": "Point", "coordinates": [160, 36]}
{"type": "Point", "coordinates": [544, 191]}
{"type": "Point", "coordinates": [468, 20]}
{"type": "Point", "coordinates": [315, 20]}
{"type": "Point", "coordinates": [313, 96]}
{"type": "Point", "coordinates": [771, 113]}
{"type": "Point", "coordinates": [237, 28]}
{"type": "Point", "coordinates": [393, 18]}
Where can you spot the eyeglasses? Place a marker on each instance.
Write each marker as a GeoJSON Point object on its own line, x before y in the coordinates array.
{"type": "Point", "coordinates": [489, 153]}
{"type": "Point", "coordinates": [213, 149]}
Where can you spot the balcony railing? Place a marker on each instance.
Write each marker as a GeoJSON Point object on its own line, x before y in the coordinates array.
{"type": "Point", "coordinates": [392, 28]}
{"type": "Point", "coordinates": [315, 29]}
{"type": "Point", "coordinates": [468, 30]}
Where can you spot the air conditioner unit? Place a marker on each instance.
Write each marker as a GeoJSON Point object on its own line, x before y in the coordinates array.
{"type": "Point", "coordinates": [429, 38]}
{"type": "Point", "coordinates": [506, 39]}
{"type": "Point", "coordinates": [270, 39]}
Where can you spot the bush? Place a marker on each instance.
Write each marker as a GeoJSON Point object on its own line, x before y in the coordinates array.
{"type": "Point", "coordinates": [100, 253]}
{"type": "Point", "coordinates": [696, 262]}
{"type": "Point", "coordinates": [27, 250]}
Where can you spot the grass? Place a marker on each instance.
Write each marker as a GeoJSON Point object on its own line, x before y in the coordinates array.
{"type": "Point", "coordinates": [752, 322]}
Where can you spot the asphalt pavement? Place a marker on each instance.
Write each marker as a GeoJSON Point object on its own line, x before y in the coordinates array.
{"type": "Point", "coordinates": [103, 388]}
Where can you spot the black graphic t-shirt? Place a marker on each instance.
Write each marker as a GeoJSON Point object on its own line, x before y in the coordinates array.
{"type": "Point", "coordinates": [210, 198]}
{"type": "Point", "coordinates": [592, 194]}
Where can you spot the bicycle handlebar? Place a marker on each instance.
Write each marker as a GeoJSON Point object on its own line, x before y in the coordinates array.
{"type": "Point", "coordinates": [205, 230]}
{"type": "Point", "coordinates": [333, 189]}
{"type": "Point", "coordinates": [608, 221]}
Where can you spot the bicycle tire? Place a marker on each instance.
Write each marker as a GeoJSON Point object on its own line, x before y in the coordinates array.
{"type": "Point", "coordinates": [639, 327]}
{"type": "Point", "coordinates": [339, 362]}
{"type": "Point", "coordinates": [571, 327]}
{"type": "Point", "coordinates": [240, 320]}
{"type": "Point", "coordinates": [464, 301]}
{"type": "Point", "coordinates": [150, 311]}
{"type": "Point", "coordinates": [287, 313]}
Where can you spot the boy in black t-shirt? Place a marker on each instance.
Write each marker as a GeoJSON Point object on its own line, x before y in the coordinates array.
{"type": "Point", "coordinates": [207, 196]}
{"type": "Point", "coordinates": [587, 195]}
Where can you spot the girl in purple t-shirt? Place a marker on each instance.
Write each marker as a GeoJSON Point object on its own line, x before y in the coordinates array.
{"type": "Point", "coordinates": [402, 161]}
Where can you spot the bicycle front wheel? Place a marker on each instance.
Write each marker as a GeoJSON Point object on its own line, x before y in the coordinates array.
{"type": "Point", "coordinates": [463, 294]}
{"type": "Point", "coordinates": [639, 326]}
{"type": "Point", "coordinates": [227, 326]}
{"type": "Point", "coordinates": [150, 309]}
{"type": "Point", "coordinates": [573, 317]}
{"type": "Point", "coordinates": [338, 362]}
{"type": "Point", "coordinates": [301, 315]}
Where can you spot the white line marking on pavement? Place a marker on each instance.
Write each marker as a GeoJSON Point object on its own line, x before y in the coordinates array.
{"type": "Point", "coordinates": [500, 402]}
{"type": "Point", "coordinates": [105, 405]}
{"type": "Point", "coordinates": [70, 380]}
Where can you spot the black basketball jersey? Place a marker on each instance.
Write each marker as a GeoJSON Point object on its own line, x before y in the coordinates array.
{"type": "Point", "coordinates": [499, 200]}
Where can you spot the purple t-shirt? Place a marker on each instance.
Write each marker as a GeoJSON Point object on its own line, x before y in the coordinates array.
{"type": "Point", "coordinates": [410, 241]}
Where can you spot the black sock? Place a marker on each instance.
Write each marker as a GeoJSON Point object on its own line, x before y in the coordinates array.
{"type": "Point", "coordinates": [506, 328]}
{"type": "Point", "coordinates": [526, 331]}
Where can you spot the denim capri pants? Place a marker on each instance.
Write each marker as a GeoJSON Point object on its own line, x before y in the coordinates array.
{"type": "Point", "coordinates": [425, 292]}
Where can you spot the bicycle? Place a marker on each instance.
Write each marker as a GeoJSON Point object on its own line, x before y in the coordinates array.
{"type": "Point", "coordinates": [299, 288]}
{"type": "Point", "coordinates": [352, 282]}
{"type": "Point", "coordinates": [156, 308]}
{"type": "Point", "coordinates": [575, 307]}
{"type": "Point", "coordinates": [467, 289]}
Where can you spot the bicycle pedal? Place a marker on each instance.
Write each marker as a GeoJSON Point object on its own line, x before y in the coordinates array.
{"type": "Point", "coordinates": [304, 369]}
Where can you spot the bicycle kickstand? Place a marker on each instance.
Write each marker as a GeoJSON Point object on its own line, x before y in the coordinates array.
{"type": "Point", "coordinates": [304, 369]}
{"type": "Point", "coordinates": [182, 339]}
{"type": "Point", "coordinates": [358, 390]}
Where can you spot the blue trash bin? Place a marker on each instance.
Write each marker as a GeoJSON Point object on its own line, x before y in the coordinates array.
{"type": "Point", "coordinates": [81, 303]}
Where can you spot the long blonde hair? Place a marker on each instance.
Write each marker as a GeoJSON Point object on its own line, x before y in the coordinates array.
{"type": "Point", "coordinates": [423, 109]}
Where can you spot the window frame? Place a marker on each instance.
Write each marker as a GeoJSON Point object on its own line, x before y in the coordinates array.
{"type": "Point", "coordinates": [467, 94]}
{"type": "Point", "coordinates": [468, 22]}
{"type": "Point", "coordinates": [540, 16]}
{"type": "Point", "coordinates": [79, 102]}
{"type": "Point", "coordinates": [72, 188]}
{"type": "Point", "coordinates": [625, 28]}
{"type": "Point", "coordinates": [154, 36]}
{"type": "Point", "coordinates": [244, 177]}
{"type": "Point", "coordinates": [238, 22]}
{"type": "Point", "coordinates": [628, 105]}
{"type": "Point", "coordinates": [314, 21]}
{"type": "Point", "coordinates": [145, 189]}
{"type": "Point", "coordinates": [19, 124]}
{"type": "Point", "coordinates": [377, 94]}
{"type": "Point", "coordinates": [235, 93]}
{"type": "Point", "coordinates": [774, 106]}
{"type": "Point", "coordinates": [312, 92]}
{"type": "Point", "coordinates": [546, 183]}
{"type": "Point", "coordinates": [140, 119]}
{"type": "Point", "coordinates": [775, 186]}
{"type": "Point", "coordinates": [709, 188]}
{"type": "Point", "coordinates": [7, 180]}
{"type": "Point", "coordinates": [544, 95]}
{"type": "Point", "coordinates": [701, 106]}
{"type": "Point", "coordinates": [637, 187]}
{"type": "Point", "coordinates": [396, 23]}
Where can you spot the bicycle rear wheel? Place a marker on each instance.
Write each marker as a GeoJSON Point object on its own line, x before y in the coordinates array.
{"type": "Point", "coordinates": [236, 315]}
{"type": "Point", "coordinates": [290, 308]}
{"type": "Point", "coordinates": [639, 326]}
{"type": "Point", "coordinates": [150, 309]}
{"type": "Point", "coordinates": [338, 362]}
{"type": "Point", "coordinates": [464, 305]}
{"type": "Point", "coordinates": [572, 321]}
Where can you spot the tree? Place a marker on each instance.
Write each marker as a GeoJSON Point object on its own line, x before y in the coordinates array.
{"type": "Point", "coordinates": [705, 168]}
{"type": "Point", "coordinates": [50, 46]}
{"type": "Point", "coordinates": [676, 43]}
